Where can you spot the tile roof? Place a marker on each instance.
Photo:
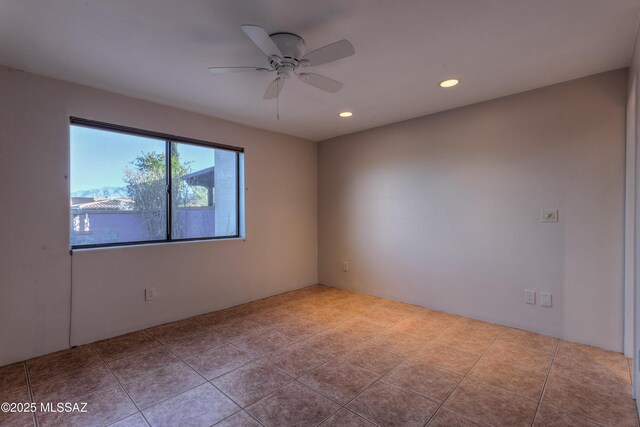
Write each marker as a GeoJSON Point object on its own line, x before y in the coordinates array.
{"type": "Point", "coordinates": [87, 203]}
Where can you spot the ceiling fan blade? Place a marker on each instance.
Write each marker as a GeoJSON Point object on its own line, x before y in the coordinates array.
{"type": "Point", "coordinates": [330, 53]}
{"type": "Point", "coordinates": [321, 82]}
{"type": "Point", "coordinates": [226, 70]}
{"type": "Point", "coordinates": [274, 89]}
{"type": "Point", "coordinates": [261, 38]}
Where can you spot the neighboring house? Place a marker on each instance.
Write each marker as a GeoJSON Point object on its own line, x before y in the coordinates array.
{"type": "Point", "coordinates": [202, 178]}
{"type": "Point", "coordinates": [112, 220]}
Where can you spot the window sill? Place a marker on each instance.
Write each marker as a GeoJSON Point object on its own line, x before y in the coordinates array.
{"type": "Point", "coordinates": [178, 242]}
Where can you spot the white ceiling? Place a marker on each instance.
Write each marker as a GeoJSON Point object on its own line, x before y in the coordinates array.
{"type": "Point", "coordinates": [160, 50]}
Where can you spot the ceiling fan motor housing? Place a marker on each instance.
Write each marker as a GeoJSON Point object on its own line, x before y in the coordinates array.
{"type": "Point", "coordinates": [286, 52]}
{"type": "Point", "coordinates": [292, 47]}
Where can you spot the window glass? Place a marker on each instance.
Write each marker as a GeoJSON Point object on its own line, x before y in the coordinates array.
{"type": "Point", "coordinates": [123, 185]}
{"type": "Point", "coordinates": [118, 187]}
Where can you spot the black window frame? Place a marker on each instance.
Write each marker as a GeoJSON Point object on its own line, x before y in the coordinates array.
{"type": "Point", "coordinates": [168, 139]}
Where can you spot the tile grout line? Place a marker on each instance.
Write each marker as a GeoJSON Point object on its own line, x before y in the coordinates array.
{"type": "Point", "coordinates": [546, 380]}
{"type": "Point", "coordinates": [210, 381]}
{"type": "Point", "coordinates": [147, 373]}
{"type": "Point", "coordinates": [331, 398]}
{"type": "Point", "coordinates": [381, 376]}
{"type": "Point", "coordinates": [244, 408]}
{"type": "Point", "coordinates": [206, 381]}
{"type": "Point", "coordinates": [581, 417]}
{"type": "Point", "coordinates": [258, 356]}
{"type": "Point", "coordinates": [465, 376]}
{"type": "Point", "coordinates": [180, 393]}
{"type": "Point", "coordinates": [341, 406]}
{"type": "Point", "coordinates": [235, 413]}
{"type": "Point", "coordinates": [358, 415]}
{"type": "Point", "coordinates": [91, 392]}
{"type": "Point", "coordinates": [263, 359]}
{"type": "Point", "coordinates": [121, 387]}
{"type": "Point", "coordinates": [296, 341]}
{"type": "Point", "coordinates": [423, 346]}
{"type": "Point", "coordinates": [380, 379]}
{"type": "Point", "coordinates": [246, 412]}
{"type": "Point", "coordinates": [36, 423]}
{"type": "Point", "coordinates": [260, 359]}
{"type": "Point", "coordinates": [313, 391]}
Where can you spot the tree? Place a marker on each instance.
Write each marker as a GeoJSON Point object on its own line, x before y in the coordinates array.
{"type": "Point", "coordinates": [146, 184]}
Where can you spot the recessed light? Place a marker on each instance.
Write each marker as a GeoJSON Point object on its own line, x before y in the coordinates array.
{"type": "Point", "coordinates": [346, 114]}
{"type": "Point", "coordinates": [449, 83]}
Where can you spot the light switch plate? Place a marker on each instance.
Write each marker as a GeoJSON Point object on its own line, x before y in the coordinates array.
{"type": "Point", "coordinates": [545, 299]}
{"type": "Point", "coordinates": [529, 296]}
{"type": "Point", "coordinates": [149, 294]}
{"type": "Point", "coordinates": [345, 266]}
{"type": "Point", "coordinates": [548, 215]}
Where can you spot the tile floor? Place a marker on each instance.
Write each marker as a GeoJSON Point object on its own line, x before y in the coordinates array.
{"type": "Point", "coordinates": [323, 356]}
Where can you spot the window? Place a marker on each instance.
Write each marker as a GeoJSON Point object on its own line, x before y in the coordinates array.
{"type": "Point", "coordinates": [130, 186]}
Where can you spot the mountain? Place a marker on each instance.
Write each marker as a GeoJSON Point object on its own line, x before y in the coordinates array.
{"type": "Point", "coordinates": [104, 192]}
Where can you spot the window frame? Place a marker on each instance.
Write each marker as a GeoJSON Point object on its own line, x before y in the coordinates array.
{"type": "Point", "coordinates": [168, 140]}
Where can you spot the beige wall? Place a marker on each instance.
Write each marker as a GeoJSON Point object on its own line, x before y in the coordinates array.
{"type": "Point", "coordinates": [630, 207]}
{"type": "Point", "coordinates": [443, 210]}
{"type": "Point", "coordinates": [632, 217]}
{"type": "Point", "coordinates": [280, 252]}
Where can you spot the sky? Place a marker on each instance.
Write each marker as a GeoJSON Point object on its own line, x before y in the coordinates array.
{"type": "Point", "coordinates": [99, 157]}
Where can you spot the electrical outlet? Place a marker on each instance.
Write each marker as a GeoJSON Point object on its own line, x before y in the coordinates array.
{"type": "Point", "coordinates": [345, 266]}
{"type": "Point", "coordinates": [149, 294]}
{"type": "Point", "coordinates": [545, 299]}
{"type": "Point", "coordinates": [529, 296]}
{"type": "Point", "coordinates": [548, 215]}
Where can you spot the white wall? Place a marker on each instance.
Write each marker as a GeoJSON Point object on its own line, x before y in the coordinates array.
{"type": "Point", "coordinates": [280, 252]}
{"type": "Point", "coordinates": [443, 210]}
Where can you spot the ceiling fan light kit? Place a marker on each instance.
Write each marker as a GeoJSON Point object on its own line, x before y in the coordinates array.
{"type": "Point", "coordinates": [286, 53]}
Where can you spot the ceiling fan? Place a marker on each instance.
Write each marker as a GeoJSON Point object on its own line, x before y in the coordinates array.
{"type": "Point", "coordinates": [286, 54]}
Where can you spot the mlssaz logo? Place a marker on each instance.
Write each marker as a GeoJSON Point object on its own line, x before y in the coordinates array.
{"type": "Point", "coordinates": [64, 407]}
